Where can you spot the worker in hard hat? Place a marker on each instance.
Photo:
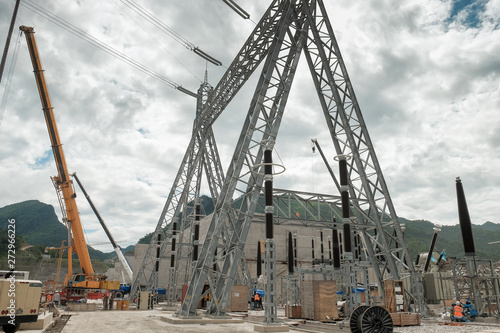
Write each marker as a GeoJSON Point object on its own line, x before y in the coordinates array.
{"type": "Point", "coordinates": [469, 310]}
{"type": "Point", "coordinates": [258, 301]}
{"type": "Point", "coordinates": [458, 313]}
{"type": "Point", "coordinates": [452, 310]}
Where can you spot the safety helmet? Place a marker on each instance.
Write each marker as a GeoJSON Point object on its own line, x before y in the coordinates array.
{"type": "Point", "coordinates": [458, 303]}
{"type": "Point", "coordinates": [467, 302]}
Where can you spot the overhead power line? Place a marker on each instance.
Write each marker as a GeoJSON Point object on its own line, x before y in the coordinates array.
{"type": "Point", "coordinates": [103, 46]}
{"type": "Point", "coordinates": [169, 31]}
{"type": "Point", "coordinates": [7, 42]}
{"type": "Point", "coordinates": [234, 6]}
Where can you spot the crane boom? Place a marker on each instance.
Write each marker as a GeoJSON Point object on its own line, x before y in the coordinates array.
{"type": "Point", "coordinates": [116, 247]}
{"type": "Point", "coordinates": [62, 179]}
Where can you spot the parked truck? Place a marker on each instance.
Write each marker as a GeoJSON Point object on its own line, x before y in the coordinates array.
{"type": "Point", "coordinates": [19, 302]}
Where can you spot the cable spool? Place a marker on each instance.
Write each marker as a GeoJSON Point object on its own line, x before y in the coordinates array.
{"type": "Point", "coordinates": [353, 321]}
{"type": "Point", "coordinates": [374, 319]}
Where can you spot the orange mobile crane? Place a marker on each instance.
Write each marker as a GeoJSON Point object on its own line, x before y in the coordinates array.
{"type": "Point", "coordinates": [88, 279]}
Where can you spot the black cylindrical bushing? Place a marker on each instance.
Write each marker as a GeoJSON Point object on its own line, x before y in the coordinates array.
{"type": "Point", "coordinates": [215, 260]}
{"type": "Point", "coordinates": [347, 238]}
{"type": "Point", "coordinates": [269, 226]}
{"type": "Point", "coordinates": [343, 171]}
{"type": "Point", "coordinates": [322, 247]}
{"type": "Point", "coordinates": [345, 204]}
{"type": "Point", "coordinates": [464, 219]}
{"type": "Point", "coordinates": [336, 249]}
{"type": "Point", "coordinates": [196, 235]}
{"type": "Point", "coordinates": [259, 260]}
{"type": "Point", "coordinates": [290, 253]}
{"type": "Point", "coordinates": [158, 250]}
{"type": "Point", "coordinates": [268, 184]}
{"type": "Point", "coordinates": [344, 195]}
{"type": "Point", "coordinates": [431, 249]}
{"type": "Point", "coordinates": [174, 232]}
{"type": "Point", "coordinates": [440, 258]}
{"type": "Point", "coordinates": [295, 251]}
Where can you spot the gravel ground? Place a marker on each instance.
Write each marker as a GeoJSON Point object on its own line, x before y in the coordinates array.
{"type": "Point", "coordinates": [435, 327]}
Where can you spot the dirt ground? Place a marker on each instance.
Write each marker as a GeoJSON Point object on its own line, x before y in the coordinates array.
{"type": "Point", "coordinates": [151, 321]}
{"type": "Point", "coordinates": [143, 322]}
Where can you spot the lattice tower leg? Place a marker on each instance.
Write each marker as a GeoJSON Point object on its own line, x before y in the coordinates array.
{"type": "Point", "coordinates": [350, 282]}
{"type": "Point", "coordinates": [270, 289]}
{"type": "Point", "coordinates": [171, 286]}
{"type": "Point", "coordinates": [295, 290]}
{"type": "Point", "coordinates": [473, 273]}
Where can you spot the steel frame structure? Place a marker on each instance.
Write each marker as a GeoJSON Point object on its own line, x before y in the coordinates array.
{"type": "Point", "coordinates": [287, 29]}
{"type": "Point", "coordinates": [475, 279]}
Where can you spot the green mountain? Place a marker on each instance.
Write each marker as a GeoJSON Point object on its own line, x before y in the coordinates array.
{"type": "Point", "coordinates": [37, 225]}
{"type": "Point", "coordinates": [36, 222]}
{"type": "Point", "coordinates": [418, 235]}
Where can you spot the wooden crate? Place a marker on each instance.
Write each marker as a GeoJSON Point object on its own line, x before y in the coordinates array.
{"type": "Point", "coordinates": [405, 319]}
{"type": "Point", "coordinates": [239, 299]}
{"type": "Point", "coordinates": [319, 300]}
{"type": "Point", "coordinates": [394, 296]}
{"type": "Point", "coordinates": [293, 311]}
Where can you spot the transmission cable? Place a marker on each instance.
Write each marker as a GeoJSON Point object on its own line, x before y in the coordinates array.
{"type": "Point", "coordinates": [156, 40]}
{"type": "Point", "coordinates": [9, 78]}
{"type": "Point", "coordinates": [106, 48]}
{"type": "Point", "coordinates": [169, 31]}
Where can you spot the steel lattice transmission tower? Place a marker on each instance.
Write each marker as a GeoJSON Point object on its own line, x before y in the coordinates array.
{"type": "Point", "coordinates": [175, 215]}
{"type": "Point", "coordinates": [288, 29]}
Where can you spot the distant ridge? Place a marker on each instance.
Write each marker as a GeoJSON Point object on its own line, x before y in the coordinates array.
{"type": "Point", "coordinates": [37, 223]}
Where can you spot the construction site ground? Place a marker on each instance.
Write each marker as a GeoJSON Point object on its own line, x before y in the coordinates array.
{"type": "Point", "coordinates": [159, 320]}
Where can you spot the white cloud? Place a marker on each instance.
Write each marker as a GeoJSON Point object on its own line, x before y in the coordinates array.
{"type": "Point", "coordinates": [428, 88]}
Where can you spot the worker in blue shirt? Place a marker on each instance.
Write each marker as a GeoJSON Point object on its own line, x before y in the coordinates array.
{"type": "Point", "coordinates": [469, 310]}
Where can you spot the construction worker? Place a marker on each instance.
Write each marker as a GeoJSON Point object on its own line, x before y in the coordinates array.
{"type": "Point", "coordinates": [469, 310]}
{"type": "Point", "coordinates": [258, 301]}
{"type": "Point", "coordinates": [56, 298]}
{"type": "Point", "coordinates": [458, 313]}
{"type": "Point", "coordinates": [452, 310]}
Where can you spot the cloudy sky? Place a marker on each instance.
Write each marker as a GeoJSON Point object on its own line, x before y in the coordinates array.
{"type": "Point", "coordinates": [426, 74]}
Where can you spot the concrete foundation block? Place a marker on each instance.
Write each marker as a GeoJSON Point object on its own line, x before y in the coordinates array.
{"type": "Point", "coordinates": [43, 321]}
{"type": "Point", "coordinates": [82, 306]}
{"type": "Point", "coordinates": [270, 328]}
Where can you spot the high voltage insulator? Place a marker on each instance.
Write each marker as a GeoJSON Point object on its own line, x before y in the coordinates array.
{"type": "Point", "coordinates": [188, 92]}
{"type": "Point", "coordinates": [207, 57]}
{"type": "Point", "coordinates": [237, 9]}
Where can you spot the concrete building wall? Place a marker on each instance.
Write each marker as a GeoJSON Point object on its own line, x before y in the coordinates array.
{"type": "Point", "coordinates": [303, 234]}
